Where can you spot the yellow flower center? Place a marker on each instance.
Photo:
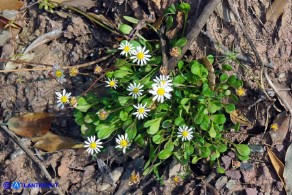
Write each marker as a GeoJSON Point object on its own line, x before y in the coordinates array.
{"type": "Point", "coordinates": [140, 55]}
{"type": "Point", "coordinates": [64, 99]}
{"type": "Point", "coordinates": [135, 90]}
{"type": "Point", "coordinates": [112, 83]}
{"type": "Point", "coordinates": [240, 91]}
{"type": "Point", "coordinates": [92, 145]}
{"type": "Point", "coordinates": [274, 126]}
{"type": "Point", "coordinates": [141, 110]}
{"type": "Point", "coordinates": [185, 133]}
{"type": "Point", "coordinates": [176, 179]}
{"type": "Point", "coordinates": [73, 72]}
{"type": "Point", "coordinates": [58, 73]}
{"type": "Point", "coordinates": [127, 48]}
{"type": "Point", "coordinates": [160, 91]}
{"type": "Point", "coordinates": [124, 143]}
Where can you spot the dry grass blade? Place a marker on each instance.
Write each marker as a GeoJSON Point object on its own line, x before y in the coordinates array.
{"type": "Point", "coordinates": [275, 10]}
{"type": "Point", "coordinates": [288, 170]}
{"type": "Point", "coordinates": [31, 124]}
{"type": "Point", "coordinates": [277, 164]}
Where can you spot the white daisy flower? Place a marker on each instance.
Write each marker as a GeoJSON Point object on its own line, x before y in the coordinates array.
{"type": "Point", "coordinates": [140, 55]}
{"type": "Point", "coordinates": [141, 111]}
{"type": "Point", "coordinates": [93, 145]}
{"type": "Point", "coordinates": [123, 142]}
{"type": "Point", "coordinates": [112, 83]}
{"type": "Point", "coordinates": [58, 74]}
{"type": "Point", "coordinates": [126, 48]}
{"type": "Point", "coordinates": [163, 80]}
{"type": "Point", "coordinates": [160, 92]}
{"type": "Point", "coordinates": [62, 99]}
{"type": "Point", "coordinates": [185, 133]}
{"type": "Point", "coordinates": [135, 90]}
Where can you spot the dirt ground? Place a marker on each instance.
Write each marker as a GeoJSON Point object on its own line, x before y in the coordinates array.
{"type": "Point", "coordinates": [80, 41]}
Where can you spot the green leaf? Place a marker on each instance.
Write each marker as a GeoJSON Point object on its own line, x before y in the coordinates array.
{"type": "Point", "coordinates": [218, 118]}
{"type": "Point", "coordinates": [140, 140]}
{"type": "Point", "coordinates": [119, 74]}
{"type": "Point", "coordinates": [205, 124]}
{"type": "Point", "coordinates": [164, 154]}
{"type": "Point", "coordinates": [181, 42]}
{"type": "Point", "coordinates": [180, 64]}
{"type": "Point", "coordinates": [184, 7]}
{"type": "Point", "coordinates": [157, 139]}
{"type": "Point", "coordinates": [179, 121]}
{"type": "Point", "coordinates": [243, 158]}
{"type": "Point", "coordinates": [167, 123]}
{"type": "Point", "coordinates": [179, 79]}
{"type": "Point", "coordinates": [232, 80]}
{"type": "Point", "coordinates": [135, 43]}
{"type": "Point", "coordinates": [125, 29]}
{"type": "Point", "coordinates": [227, 67]}
{"type": "Point", "coordinates": [154, 125]}
{"type": "Point", "coordinates": [222, 148]}
{"type": "Point", "coordinates": [131, 130]}
{"type": "Point", "coordinates": [211, 58]}
{"type": "Point", "coordinates": [223, 77]}
{"type": "Point", "coordinates": [196, 69]}
{"type": "Point", "coordinates": [82, 105]}
{"type": "Point", "coordinates": [123, 115]}
{"type": "Point", "coordinates": [104, 130]}
{"type": "Point", "coordinates": [169, 145]}
{"type": "Point", "coordinates": [123, 100]}
{"type": "Point", "coordinates": [242, 149]}
{"type": "Point", "coordinates": [212, 132]}
{"type": "Point", "coordinates": [238, 84]}
{"type": "Point", "coordinates": [131, 19]}
{"type": "Point", "coordinates": [169, 22]}
{"type": "Point", "coordinates": [205, 152]}
{"type": "Point", "coordinates": [214, 106]}
{"type": "Point", "coordinates": [220, 170]}
{"type": "Point", "coordinates": [79, 118]}
{"type": "Point", "coordinates": [229, 108]}
{"type": "Point", "coordinates": [184, 101]}
{"type": "Point", "coordinates": [171, 9]}
{"type": "Point", "coordinates": [195, 159]}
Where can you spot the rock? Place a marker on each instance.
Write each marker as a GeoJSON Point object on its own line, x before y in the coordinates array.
{"type": "Point", "coordinates": [231, 154]}
{"type": "Point", "coordinates": [175, 168]}
{"type": "Point", "coordinates": [226, 161]}
{"type": "Point", "coordinates": [249, 176]}
{"type": "Point", "coordinates": [220, 183]}
{"type": "Point", "coordinates": [231, 184]}
{"type": "Point", "coordinates": [256, 148]}
{"type": "Point", "coordinates": [233, 174]}
{"type": "Point", "coordinates": [251, 191]}
{"type": "Point", "coordinates": [246, 166]}
{"type": "Point", "coordinates": [116, 174]}
{"type": "Point", "coordinates": [4, 36]}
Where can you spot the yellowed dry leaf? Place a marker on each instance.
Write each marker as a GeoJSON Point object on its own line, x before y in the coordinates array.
{"type": "Point", "coordinates": [277, 164]}
{"type": "Point", "coordinates": [24, 57]}
{"type": "Point", "coordinates": [282, 120]}
{"type": "Point", "coordinates": [239, 118]}
{"type": "Point", "coordinates": [275, 10]}
{"type": "Point", "coordinates": [51, 142]}
{"type": "Point", "coordinates": [10, 5]}
{"type": "Point", "coordinates": [101, 18]}
{"type": "Point", "coordinates": [30, 124]}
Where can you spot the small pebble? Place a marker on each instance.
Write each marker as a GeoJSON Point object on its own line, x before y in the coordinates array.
{"type": "Point", "coordinates": [256, 148]}
{"type": "Point", "coordinates": [251, 191]}
{"type": "Point", "coordinates": [220, 183]}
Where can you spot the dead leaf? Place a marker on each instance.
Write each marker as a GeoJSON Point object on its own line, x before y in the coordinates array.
{"type": "Point", "coordinates": [51, 142]}
{"type": "Point", "coordinates": [178, 26]}
{"type": "Point", "coordinates": [10, 5]}
{"type": "Point", "coordinates": [288, 170]}
{"type": "Point", "coordinates": [282, 120]}
{"type": "Point", "coordinates": [277, 164]}
{"type": "Point", "coordinates": [87, 4]}
{"type": "Point", "coordinates": [31, 124]}
{"type": "Point", "coordinates": [211, 74]}
{"type": "Point", "coordinates": [239, 118]}
{"type": "Point", "coordinates": [225, 13]}
{"type": "Point", "coordinates": [275, 10]}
